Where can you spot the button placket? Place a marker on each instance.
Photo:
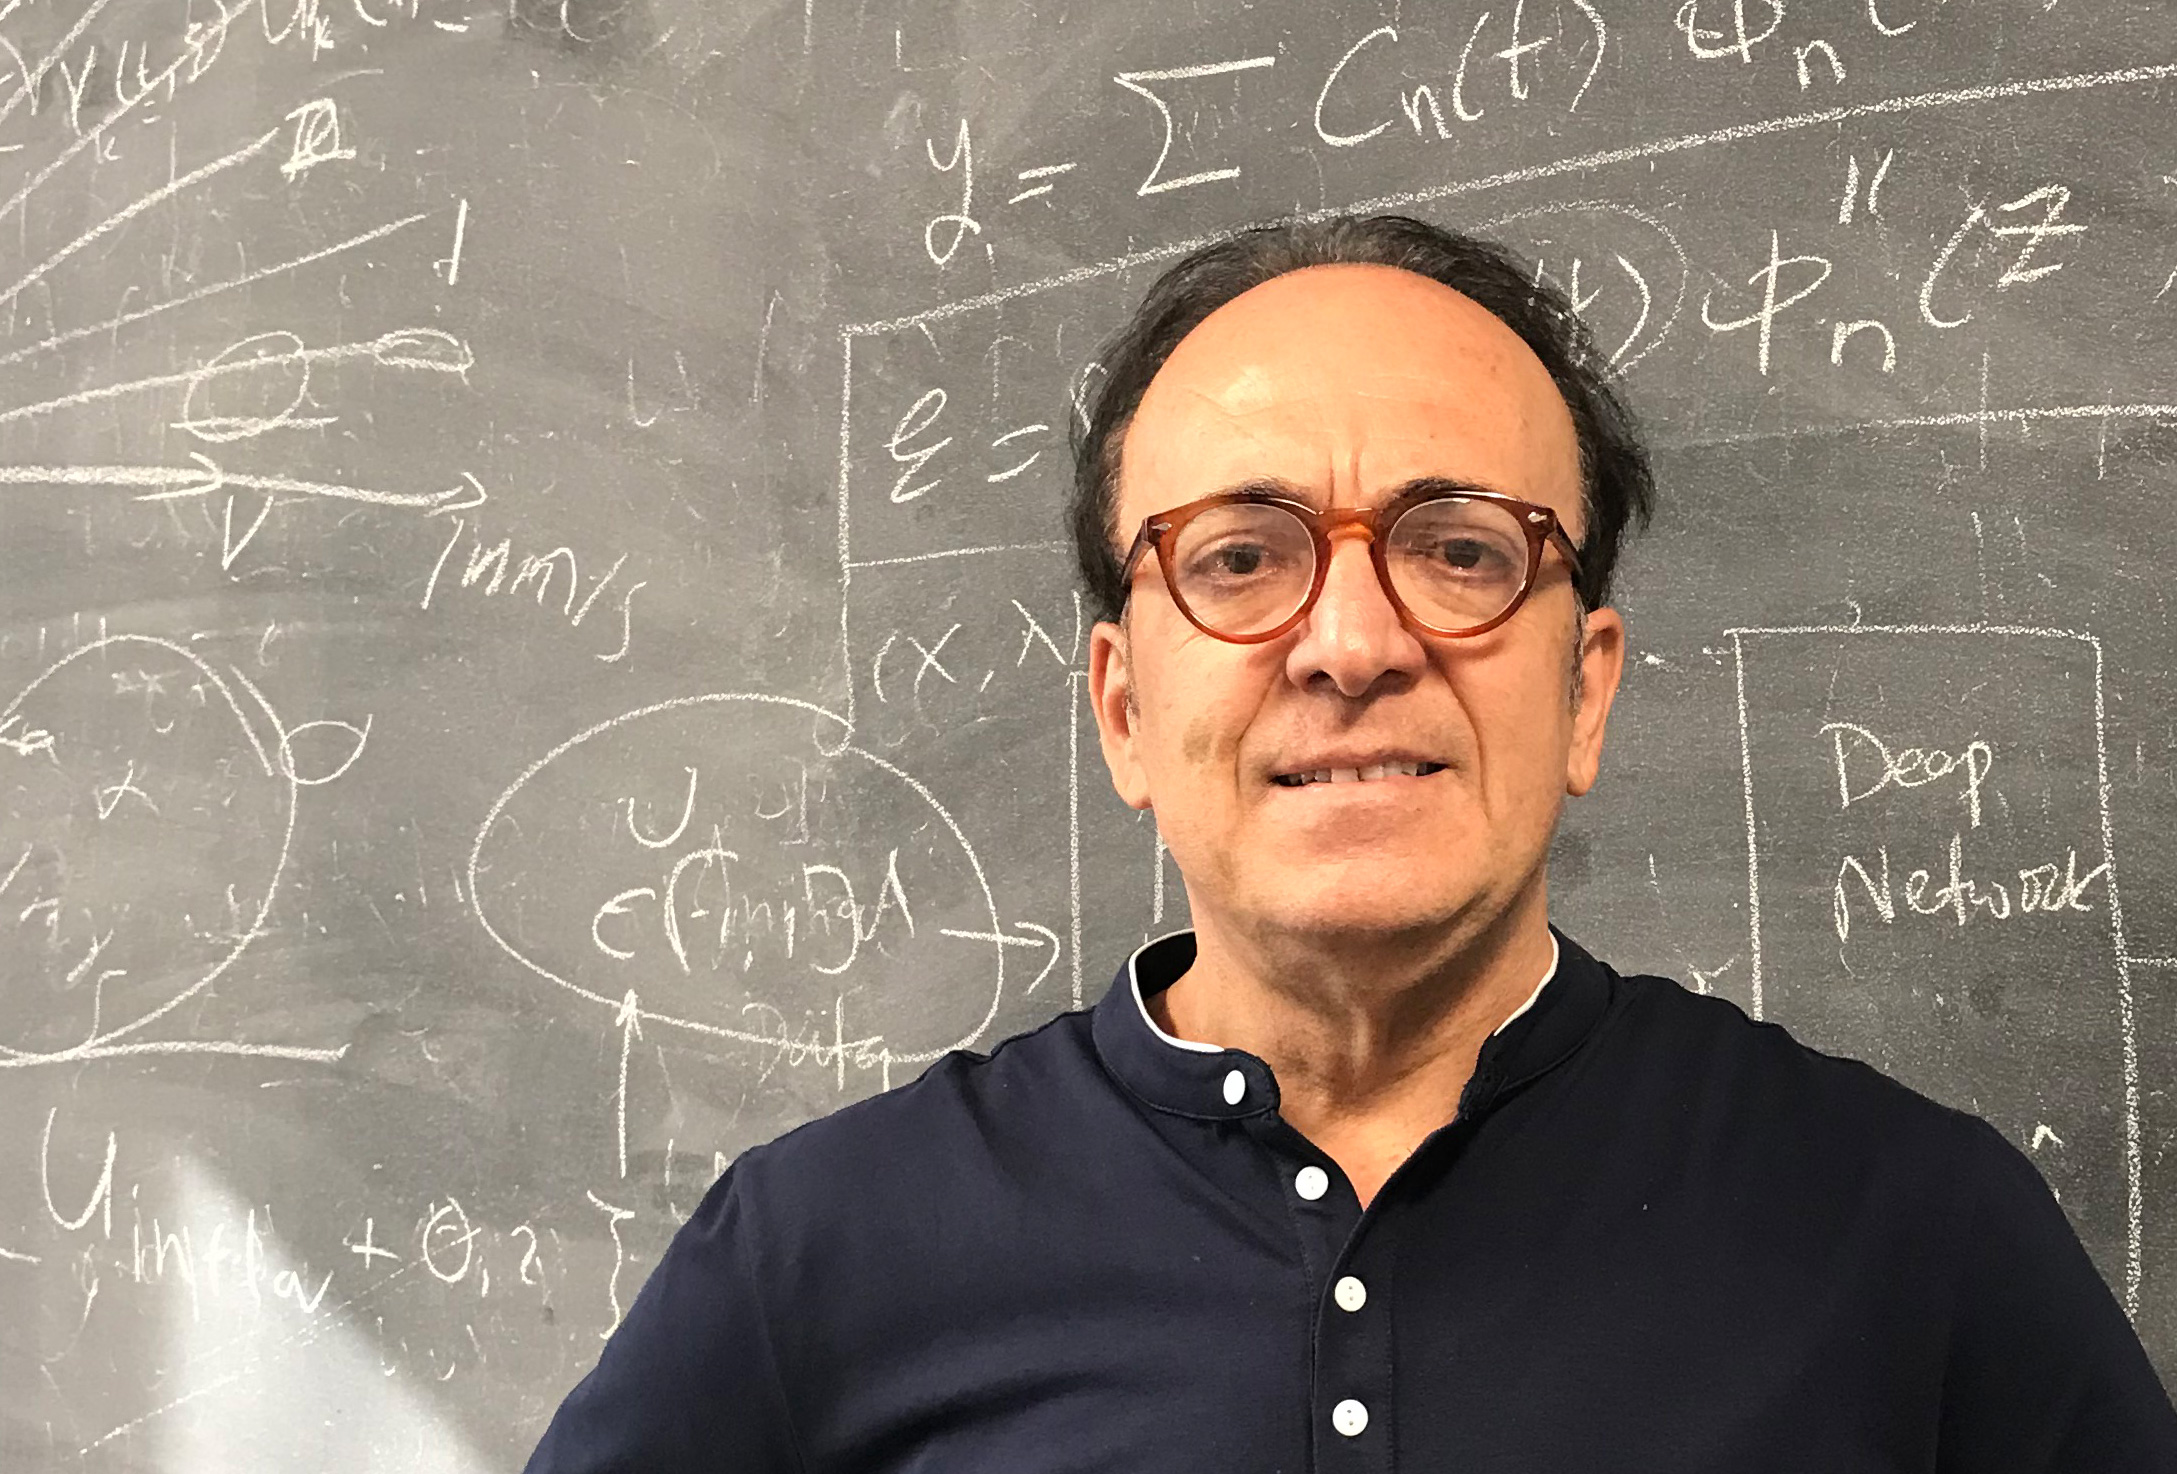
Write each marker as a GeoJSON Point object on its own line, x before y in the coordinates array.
{"type": "Point", "coordinates": [1355, 1382]}
{"type": "Point", "coordinates": [1352, 1390]}
{"type": "Point", "coordinates": [1350, 1352]}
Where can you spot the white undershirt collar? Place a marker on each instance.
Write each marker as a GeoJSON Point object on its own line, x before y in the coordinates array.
{"type": "Point", "coordinates": [1133, 976]}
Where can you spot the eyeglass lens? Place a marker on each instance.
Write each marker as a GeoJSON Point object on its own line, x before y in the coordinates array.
{"type": "Point", "coordinates": [1246, 567]}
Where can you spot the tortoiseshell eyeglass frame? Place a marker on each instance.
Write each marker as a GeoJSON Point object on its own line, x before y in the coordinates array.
{"type": "Point", "coordinates": [1161, 532]}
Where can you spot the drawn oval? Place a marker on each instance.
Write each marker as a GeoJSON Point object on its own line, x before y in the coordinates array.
{"type": "Point", "coordinates": [144, 828]}
{"type": "Point", "coordinates": [424, 348]}
{"type": "Point", "coordinates": [740, 869]}
{"type": "Point", "coordinates": [238, 394]}
{"type": "Point", "coordinates": [316, 753]}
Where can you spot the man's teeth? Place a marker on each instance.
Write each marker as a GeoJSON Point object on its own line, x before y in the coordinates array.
{"type": "Point", "coordinates": [1359, 775]}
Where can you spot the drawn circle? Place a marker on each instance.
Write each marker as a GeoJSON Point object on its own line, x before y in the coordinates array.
{"type": "Point", "coordinates": [144, 827]}
{"type": "Point", "coordinates": [748, 874]}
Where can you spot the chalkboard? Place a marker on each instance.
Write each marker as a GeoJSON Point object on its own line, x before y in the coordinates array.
{"type": "Point", "coordinates": [537, 652]}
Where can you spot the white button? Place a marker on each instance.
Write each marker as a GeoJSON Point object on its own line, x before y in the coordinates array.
{"type": "Point", "coordinates": [1235, 1087]}
{"type": "Point", "coordinates": [1349, 1418]}
{"type": "Point", "coordinates": [1349, 1292]}
{"type": "Point", "coordinates": [1311, 1182]}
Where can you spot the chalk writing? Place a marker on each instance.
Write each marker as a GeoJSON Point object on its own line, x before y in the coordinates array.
{"type": "Point", "coordinates": [1046, 174]}
{"type": "Point", "coordinates": [486, 568]}
{"type": "Point", "coordinates": [2051, 200]}
{"type": "Point", "coordinates": [920, 416]}
{"type": "Point", "coordinates": [1768, 278]}
{"type": "Point", "coordinates": [960, 220]}
{"type": "Point", "coordinates": [2042, 889]}
{"type": "Point", "coordinates": [1154, 181]}
{"type": "Point", "coordinates": [769, 875]}
{"type": "Point", "coordinates": [317, 137]}
{"type": "Point", "coordinates": [1710, 43]}
{"type": "Point", "coordinates": [1866, 765]}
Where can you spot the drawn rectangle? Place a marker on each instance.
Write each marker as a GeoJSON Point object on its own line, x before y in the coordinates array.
{"type": "Point", "coordinates": [1931, 887]}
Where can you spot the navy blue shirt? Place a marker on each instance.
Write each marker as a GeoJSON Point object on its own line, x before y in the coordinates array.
{"type": "Point", "coordinates": [1655, 1236]}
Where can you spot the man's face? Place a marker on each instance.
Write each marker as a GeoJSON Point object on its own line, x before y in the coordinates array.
{"type": "Point", "coordinates": [1342, 385]}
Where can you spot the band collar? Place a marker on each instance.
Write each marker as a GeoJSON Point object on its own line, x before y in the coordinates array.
{"type": "Point", "coordinates": [1206, 1082]}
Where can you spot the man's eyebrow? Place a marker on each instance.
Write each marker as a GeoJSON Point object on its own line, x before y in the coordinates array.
{"type": "Point", "coordinates": [1414, 489]}
{"type": "Point", "coordinates": [1441, 486]}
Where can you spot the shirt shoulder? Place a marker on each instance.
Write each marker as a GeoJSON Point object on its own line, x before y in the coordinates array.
{"type": "Point", "coordinates": [1708, 1053]}
{"type": "Point", "coordinates": [969, 1116]}
{"type": "Point", "coordinates": [1801, 1173]}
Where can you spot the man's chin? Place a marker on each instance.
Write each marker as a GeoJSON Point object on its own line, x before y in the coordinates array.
{"type": "Point", "coordinates": [1367, 901]}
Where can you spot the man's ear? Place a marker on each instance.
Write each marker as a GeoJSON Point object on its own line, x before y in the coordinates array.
{"type": "Point", "coordinates": [1113, 698]}
{"type": "Point", "coordinates": [1602, 664]}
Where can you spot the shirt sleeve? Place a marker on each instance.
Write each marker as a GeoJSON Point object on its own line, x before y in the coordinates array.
{"type": "Point", "coordinates": [688, 1383]}
{"type": "Point", "coordinates": [2045, 1374]}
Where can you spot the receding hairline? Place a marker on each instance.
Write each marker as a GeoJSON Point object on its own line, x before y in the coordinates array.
{"type": "Point", "coordinates": [1318, 271]}
{"type": "Point", "coordinates": [1538, 380]}
{"type": "Point", "coordinates": [1618, 488]}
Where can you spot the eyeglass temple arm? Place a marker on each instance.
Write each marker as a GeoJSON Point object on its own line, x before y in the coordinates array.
{"type": "Point", "coordinates": [1565, 545]}
{"type": "Point", "coordinates": [1144, 540]}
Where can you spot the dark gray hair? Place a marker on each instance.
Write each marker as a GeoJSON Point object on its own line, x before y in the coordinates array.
{"type": "Point", "coordinates": [1618, 489]}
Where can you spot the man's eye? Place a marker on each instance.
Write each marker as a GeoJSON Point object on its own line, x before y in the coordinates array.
{"type": "Point", "coordinates": [1471, 555]}
{"type": "Point", "coordinates": [1232, 560]}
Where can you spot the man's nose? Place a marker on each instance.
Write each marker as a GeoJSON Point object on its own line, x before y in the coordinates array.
{"type": "Point", "coordinates": [1353, 637]}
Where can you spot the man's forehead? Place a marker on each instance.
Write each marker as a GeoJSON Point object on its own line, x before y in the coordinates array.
{"type": "Point", "coordinates": [1369, 363]}
{"type": "Point", "coordinates": [1313, 318]}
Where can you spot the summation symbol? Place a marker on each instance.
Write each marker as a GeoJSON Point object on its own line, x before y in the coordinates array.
{"type": "Point", "coordinates": [1132, 82]}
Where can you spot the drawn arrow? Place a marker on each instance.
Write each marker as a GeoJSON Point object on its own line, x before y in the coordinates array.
{"type": "Point", "coordinates": [214, 478]}
{"type": "Point", "coordinates": [1045, 934]}
{"type": "Point", "coordinates": [170, 483]}
{"type": "Point", "coordinates": [1041, 936]}
{"type": "Point", "coordinates": [198, 480]}
{"type": "Point", "coordinates": [461, 498]}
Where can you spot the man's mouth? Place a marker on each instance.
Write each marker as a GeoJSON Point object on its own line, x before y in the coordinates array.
{"type": "Point", "coordinates": [1371, 774]}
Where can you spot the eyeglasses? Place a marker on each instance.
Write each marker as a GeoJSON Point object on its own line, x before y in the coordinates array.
{"type": "Point", "coordinates": [1247, 566]}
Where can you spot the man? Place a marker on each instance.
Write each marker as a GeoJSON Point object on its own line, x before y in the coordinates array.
{"type": "Point", "coordinates": [1333, 1182]}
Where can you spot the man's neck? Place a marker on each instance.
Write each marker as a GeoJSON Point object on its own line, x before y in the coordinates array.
{"type": "Point", "coordinates": [1372, 1042]}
